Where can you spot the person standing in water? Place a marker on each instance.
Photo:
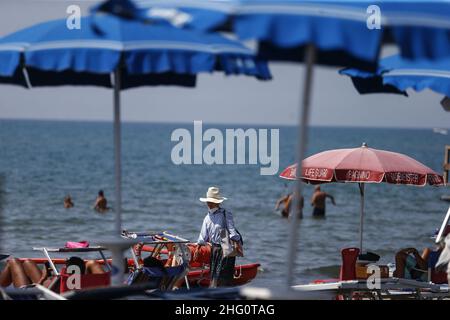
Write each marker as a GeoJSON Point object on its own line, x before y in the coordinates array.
{"type": "Point", "coordinates": [287, 201]}
{"type": "Point", "coordinates": [101, 204]}
{"type": "Point", "coordinates": [318, 201]}
{"type": "Point", "coordinates": [68, 202]}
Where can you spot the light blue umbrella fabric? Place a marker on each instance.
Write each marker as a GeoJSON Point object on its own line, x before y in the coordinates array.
{"type": "Point", "coordinates": [338, 29]}
{"type": "Point", "coordinates": [396, 75]}
{"type": "Point", "coordinates": [105, 42]}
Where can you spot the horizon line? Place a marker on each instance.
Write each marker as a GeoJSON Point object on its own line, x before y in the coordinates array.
{"type": "Point", "coordinates": [216, 123]}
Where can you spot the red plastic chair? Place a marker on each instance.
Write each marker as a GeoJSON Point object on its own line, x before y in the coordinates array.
{"type": "Point", "coordinates": [86, 280]}
{"type": "Point", "coordinates": [348, 267]}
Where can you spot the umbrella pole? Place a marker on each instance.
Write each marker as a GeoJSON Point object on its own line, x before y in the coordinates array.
{"type": "Point", "coordinates": [310, 54]}
{"type": "Point", "coordinates": [117, 155]}
{"type": "Point", "coordinates": [361, 222]}
{"type": "Point", "coordinates": [117, 245]}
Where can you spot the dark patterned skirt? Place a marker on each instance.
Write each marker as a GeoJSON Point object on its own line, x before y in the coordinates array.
{"type": "Point", "coordinates": [222, 269]}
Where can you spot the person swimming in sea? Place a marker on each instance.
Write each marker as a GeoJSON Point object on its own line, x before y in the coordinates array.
{"type": "Point", "coordinates": [101, 204]}
{"type": "Point", "coordinates": [318, 201]}
{"type": "Point", "coordinates": [68, 203]}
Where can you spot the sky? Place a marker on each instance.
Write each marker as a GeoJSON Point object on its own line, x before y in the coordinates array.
{"type": "Point", "coordinates": [216, 99]}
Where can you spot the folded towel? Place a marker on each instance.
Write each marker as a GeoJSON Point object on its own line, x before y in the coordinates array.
{"type": "Point", "coordinates": [74, 245]}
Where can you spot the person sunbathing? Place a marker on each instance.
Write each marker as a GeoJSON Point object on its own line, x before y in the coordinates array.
{"type": "Point", "coordinates": [24, 273]}
{"type": "Point", "coordinates": [409, 264]}
{"type": "Point", "coordinates": [197, 255]}
{"type": "Point", "coordinates": [88, 267]}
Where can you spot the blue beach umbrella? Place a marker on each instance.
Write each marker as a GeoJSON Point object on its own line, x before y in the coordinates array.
{"type": "Point", "coordinates": [396, 75]}
{"type": "Point", "coordinates": [420, 28]}
{"type": "Point", "coordinates": [283, 29]}
{"type": "Point", "coordinates": [111, 52]}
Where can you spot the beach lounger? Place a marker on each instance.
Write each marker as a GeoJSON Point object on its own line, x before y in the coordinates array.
{"type": "Point", "coordinates": [389, 288]}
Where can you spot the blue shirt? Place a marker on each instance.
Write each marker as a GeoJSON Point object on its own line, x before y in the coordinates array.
{"type": "Point", "coordinates": [213, 224]}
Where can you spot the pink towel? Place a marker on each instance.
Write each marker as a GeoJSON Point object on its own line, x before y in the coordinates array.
{"type": "Point", "coordinates": [74, 245]}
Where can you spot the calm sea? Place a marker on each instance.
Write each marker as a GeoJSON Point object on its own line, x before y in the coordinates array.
{"type": "Point", "coordinates": [42, 161]}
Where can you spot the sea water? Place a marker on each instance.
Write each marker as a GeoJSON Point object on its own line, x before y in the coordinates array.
{"type": "Point", "coordinates": [43, 161]}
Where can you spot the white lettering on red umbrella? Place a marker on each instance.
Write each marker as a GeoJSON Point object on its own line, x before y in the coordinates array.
{"type": "Point", "coordinates": [357, 175]}
{"type": "Point", "coordinates": [404, 178]}
{"type": "Point", "coordinates": [435, 179]}
{"type": "Point", "coordinates": [316, 173]}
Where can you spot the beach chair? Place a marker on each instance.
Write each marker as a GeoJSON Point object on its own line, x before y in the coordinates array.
{"type": "Point", "coordinates": [348, 267]}
{"type": "Point", "coordinates": [434, 276]}
{"type": "Point", "coordinates": [86, 280]}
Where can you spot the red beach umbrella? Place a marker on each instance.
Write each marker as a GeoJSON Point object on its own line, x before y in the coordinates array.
{"type": "Point", "coordinates": [363, 165]}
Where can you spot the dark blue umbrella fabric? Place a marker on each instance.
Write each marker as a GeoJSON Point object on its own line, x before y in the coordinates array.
{"type": "Point", "coordinates": [148, 54]}
{"type": "Point", "coordinates": [396, 75]}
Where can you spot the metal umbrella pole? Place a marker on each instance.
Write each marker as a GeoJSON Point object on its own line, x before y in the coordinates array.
{"type": "Point", "coordinates": [117, 245]}
{"type": "Point", "coordinates": [310, 55]}
{"type": "Point", "coordinates": [361, 221]}
{"type": "Point", "coordinates": [117, 155]}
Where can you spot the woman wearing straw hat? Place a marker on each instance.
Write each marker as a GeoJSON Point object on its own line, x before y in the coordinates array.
{"type": "Point", "coordinates": [217, 220]}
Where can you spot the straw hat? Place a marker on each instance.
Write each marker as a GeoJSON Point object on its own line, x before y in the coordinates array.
{"type": "Point", "coordinates": [213, 195]}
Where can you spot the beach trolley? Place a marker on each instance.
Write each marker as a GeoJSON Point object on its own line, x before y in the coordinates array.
{"type": "Point", "coordinates": [64, 281]}
{"type": "Point", "coordinates": [167, 262]}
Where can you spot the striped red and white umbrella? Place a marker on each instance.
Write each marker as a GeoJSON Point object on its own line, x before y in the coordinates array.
{"type": "Point", "coordinates": [363, 165]}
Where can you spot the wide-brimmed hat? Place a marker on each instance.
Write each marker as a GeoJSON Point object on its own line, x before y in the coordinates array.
{"type": "Point", "coordinates": [213, 195]}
